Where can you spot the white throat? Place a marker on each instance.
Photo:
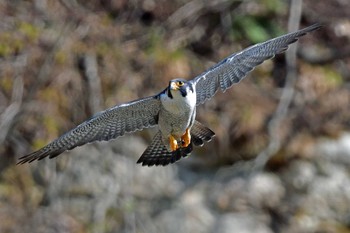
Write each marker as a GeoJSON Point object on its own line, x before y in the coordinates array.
{"type": "Point", "coordinates": [179, 104]}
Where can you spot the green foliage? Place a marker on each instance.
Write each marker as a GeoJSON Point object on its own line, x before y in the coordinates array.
{"type": "Point", "coordinates": [39, 143]}
{"type": "Point", "coordinates": [332, 77]}
{"type": "Point", "coordinates": [255, 29]}
{"type": "Point", "coordinates": [61, 57]}
{"type": "Point", "coordinates": [274, 6]}
{"type": "Point", "coordinates": [13, 41]}
{"type": "Point", "coordinates": [259, 25]}
{"type": "Point", "coordinates": [30, 31]}
{"type": "Point", "coordinates": [6, 82]}
{"type": "Point", "coordinates": [159, 51]}
{"type": "Point", "coordinates": [135, 60]}
{"type": "Point", "coordinates": [10, 44]}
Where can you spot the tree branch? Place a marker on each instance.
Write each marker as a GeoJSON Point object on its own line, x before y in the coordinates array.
{"type": "Point", "coordinates": [287, 94]}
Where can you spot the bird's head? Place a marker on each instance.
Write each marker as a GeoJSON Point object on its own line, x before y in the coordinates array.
{"type": "Point", "coordinates": [179, 86]}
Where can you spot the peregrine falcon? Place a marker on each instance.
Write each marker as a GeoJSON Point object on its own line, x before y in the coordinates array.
{"type": "Point", "coordinates": [173, 109]}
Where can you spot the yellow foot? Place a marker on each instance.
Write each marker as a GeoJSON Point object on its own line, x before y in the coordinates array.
{"type": "Point", "coordinates": [186, 138]}
{"type": "Point", "coordinates": [173, 143]}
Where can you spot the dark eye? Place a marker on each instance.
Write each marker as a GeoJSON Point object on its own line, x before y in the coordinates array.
{"type": "Point", "coordinates": [180, 83]}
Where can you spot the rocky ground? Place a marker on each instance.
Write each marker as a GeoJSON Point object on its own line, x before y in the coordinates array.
{"type": "Point", "coordinates": [101, 189]}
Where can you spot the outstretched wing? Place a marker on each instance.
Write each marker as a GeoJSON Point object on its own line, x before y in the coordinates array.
{"type": "Point", "coordinates": [234, 68]}
{"type": "Point", "coordinates": [108, 124]}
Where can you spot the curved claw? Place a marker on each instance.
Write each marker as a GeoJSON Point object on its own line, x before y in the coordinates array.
{"type": "Point", "coordinates": [186, 138]}
{"type": "Point", "coordinates": [173, 143]}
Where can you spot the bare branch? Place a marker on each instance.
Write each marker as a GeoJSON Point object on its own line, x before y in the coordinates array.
{"type": "Point", "coordinates": [90, 73]}
{"type": "Point", "coordinates": [194, 9]}
{"type": "Point", "coordinates": [7, 118]}
{"type": "Point", "coordinates": [287, 94]}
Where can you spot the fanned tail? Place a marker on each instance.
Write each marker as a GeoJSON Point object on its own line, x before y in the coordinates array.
{"type": "Point", "coordinates": [201, 134]}
{"type": "Point", "coordinates": [157, 154]}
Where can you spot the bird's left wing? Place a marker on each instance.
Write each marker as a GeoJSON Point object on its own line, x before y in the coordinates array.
{"type": "Point", "coordinates": [234, 68]}
{"type": "Point", "coordinates": [106, 125]}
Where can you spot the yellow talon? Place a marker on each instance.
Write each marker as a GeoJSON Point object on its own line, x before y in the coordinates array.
{"type": "Point", "coordinates": [186, 138]}
{"type": "Point", "coordinates": [173, 143]}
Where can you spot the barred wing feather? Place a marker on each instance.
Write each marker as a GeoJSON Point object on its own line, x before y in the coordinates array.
{"type": "Point", "coordinates": [234, 68]}
{"type": "Point", "coordinates": [106, 125]}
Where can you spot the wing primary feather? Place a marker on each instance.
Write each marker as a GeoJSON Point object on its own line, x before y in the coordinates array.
{"type": "Point", "coordinates": [105, 125]}
{"type": "Point", "coordinates": [143, 113]}
{"type": "Point", "coordinates": [208, 83]}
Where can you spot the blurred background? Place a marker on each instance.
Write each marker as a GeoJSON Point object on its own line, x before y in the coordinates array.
{"type": "Point", "coordinates": [280, 160]}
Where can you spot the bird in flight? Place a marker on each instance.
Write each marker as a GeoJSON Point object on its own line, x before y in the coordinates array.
{"type": "Point", "coordinates": [173, 109]}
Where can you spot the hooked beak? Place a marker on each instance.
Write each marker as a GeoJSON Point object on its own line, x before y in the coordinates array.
{"type": "Point", "coordinates": [174, 86]}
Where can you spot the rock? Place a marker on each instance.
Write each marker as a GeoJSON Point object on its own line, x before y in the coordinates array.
{"type": "Point", "coordinates": [190, 214]}
{"type": "Point", "coordinates": [327, 201]}
{"type": "Point", "coordinates": [239, 194]}
{"type": "Point", "coordinates": [329, 196]}
{"type": "Point", "coordinates": [96, 180]}
{"type": "Point", "coordinates": [242, 223]}
{"type": "Point", "coordinates": [336, 150]}
{"type": "Point", "coordinates": [265, 190]}
{"type": "Point", "coordinates": [230, 196]}
{"type": "Point", "coordinates": [299, 175]}
{"type": "Point", "coordinates": [42, 220]}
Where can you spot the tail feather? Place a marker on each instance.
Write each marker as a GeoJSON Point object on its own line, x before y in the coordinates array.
{"type": "Point", "coordinates": [201, 134]}
{"type": "Point", "coordinates": [157, 154]}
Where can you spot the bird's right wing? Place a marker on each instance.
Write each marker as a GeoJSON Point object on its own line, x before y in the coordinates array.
{"type": "Point", "coordinates": [106, 125]}
{"type": "Point", "coordinates": [234, 68]}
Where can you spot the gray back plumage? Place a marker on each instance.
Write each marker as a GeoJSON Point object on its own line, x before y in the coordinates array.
{"type": "Point", "coordinates": [234, 68]}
